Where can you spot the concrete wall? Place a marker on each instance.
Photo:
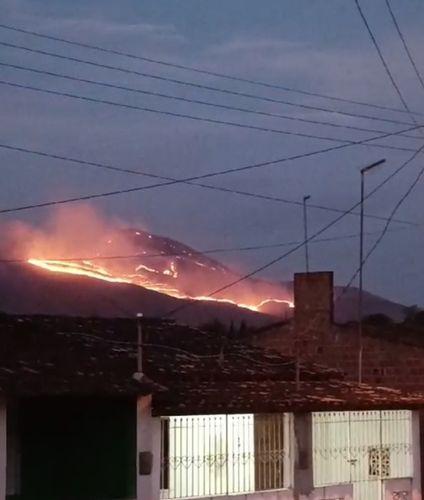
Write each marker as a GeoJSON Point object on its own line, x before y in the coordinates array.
{"type": "Point", "coordinates": [337, 492]}
{"type": "Point", "coordinates": [148, 440]}
{"type": "Point", "coordinates": [400, 489]}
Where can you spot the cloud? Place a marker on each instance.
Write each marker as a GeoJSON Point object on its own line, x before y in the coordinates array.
{"type": "Point", "coordinates": [165, 145]}
{"type": "Point", "coordinates": [91, 24]}
{"type": "Point", "coordinates": [345, 71]}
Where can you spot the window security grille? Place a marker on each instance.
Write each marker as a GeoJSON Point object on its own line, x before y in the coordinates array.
{"type": "Point", "coordinates": [379, 461]}
{"type": "Point", "coordinates": [224, 454]}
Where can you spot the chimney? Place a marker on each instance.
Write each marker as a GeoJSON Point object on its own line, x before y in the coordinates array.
{"type": "Point", "coordinates": [313, 300]}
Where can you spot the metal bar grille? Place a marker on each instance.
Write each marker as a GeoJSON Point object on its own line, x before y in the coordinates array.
{"type": "Point", "coordinates": [224, 454]}
{"type": "Point", "coordinates": [362, 446]}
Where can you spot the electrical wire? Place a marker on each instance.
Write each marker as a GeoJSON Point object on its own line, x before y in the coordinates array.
{"type": "Point", "coordinates": [197, 70]}
{"type": "Point", "coordinates": [194, 101]}
{"type": "Point", "coordinates": [249, 194]}
{"type": "Point", "coordinates": [179, 115]}
{"type": "Point", "coordinates": [386, 226]}
{"type": "Point", "coordinates": [190, 117]}
{"type": "Point", "coordinates": [6, 260]}
{"type": "Point", "coordinates": [203, 176]}
{"type": "Point", "coordinates": [179, 350]}
{"type": "Point", "coordinates": [382, 233]}
{"type": "Point", "coordinates": [405, 44]}
{"type": "Point", "coordinates": [307, 240]}
{"type": "Point", "coordinates": [385, 230]}
{"type": "Point", "coordinates": [382, 59]}
{"type": "Point", "coordinates": [200, 86]}
{"type": "Point", "coordinates": [274, 86]}
{"type": "Point", "coordinates": [135, 345]}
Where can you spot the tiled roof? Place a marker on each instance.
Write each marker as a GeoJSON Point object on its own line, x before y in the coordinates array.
{"type": "Point", "coordinates": [192, 371]}
{"type": "Point", "coordinates": [280, 396]}
{"type": "Point", "coordinates": [39, 356]}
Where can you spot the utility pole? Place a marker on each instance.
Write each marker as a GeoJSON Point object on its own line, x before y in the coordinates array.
{"type": "Point", "coordinates": [305, 242]}
{"type": "Point", "coordinates": [361, 264]}
{"type": "Point", "coordinates": [139, 344]}
{"type": "Point", "coordinates": [305, 231]}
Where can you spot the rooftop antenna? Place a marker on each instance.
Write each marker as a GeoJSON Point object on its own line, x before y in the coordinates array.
{"type": "Point", "coordinates": [364, 171]}
{"type": "Point", "coordinates": [297, 340]}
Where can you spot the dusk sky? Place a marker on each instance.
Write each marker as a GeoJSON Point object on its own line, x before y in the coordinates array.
{"type": "Point", "coordinates": [315, 45]}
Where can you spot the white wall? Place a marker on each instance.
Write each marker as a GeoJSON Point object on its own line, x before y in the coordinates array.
{"type": "Point", "coordinates": [3, 453]}
{"type": "Point", "coordinates": [331, 492]}
{"type": "Point", "coordinates": [342, 444]}
{"type": "Point", "coordinates": [404, 429]}
{"type": "Point", "coordinates": [344, 491]}
{"type": "Point", "coordinates": [399, 487]}
{"type": "Point", "coordinates": [148, 439]}
{"type": "Point", "coordinates": [416, 492]}
{"type": "Point", "coordinates": [267, 495]}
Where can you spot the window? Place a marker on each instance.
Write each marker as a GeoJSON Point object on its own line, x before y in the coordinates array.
{"type": "Point", "coordinates": [269, 452]}
{"type": "Point", "coordinates": [379, 461]}
{"type": "Point", "coordinates": [223, 454]}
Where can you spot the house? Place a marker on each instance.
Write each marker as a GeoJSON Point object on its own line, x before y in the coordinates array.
{"type": "Point", "coordinates": [209, 417]}
{"type": "Point", "coordinates": [393, 353]}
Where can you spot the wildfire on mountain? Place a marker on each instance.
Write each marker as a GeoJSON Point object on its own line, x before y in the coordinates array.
{"type": "Point", "coordinates": [81, 242]}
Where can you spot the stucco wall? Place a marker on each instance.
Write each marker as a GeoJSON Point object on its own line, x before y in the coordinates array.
{"type": "Point", "coordinates": [148, 440]}
{"type": "Point", "coordinates": [333, 492]}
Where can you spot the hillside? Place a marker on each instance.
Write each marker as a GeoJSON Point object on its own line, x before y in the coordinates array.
{"type": "Point", "coordinates": [129, 271]}
{"type": "Point", "coordinates": [25, 289]}
{"type": "Point", "coordinates": [346, 308]}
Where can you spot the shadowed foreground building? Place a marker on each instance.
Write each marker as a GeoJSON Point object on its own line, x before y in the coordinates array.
{"type": "Point", "coordinates": [210, 418]}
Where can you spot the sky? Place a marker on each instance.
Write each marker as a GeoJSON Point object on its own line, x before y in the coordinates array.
{"type": "Point", "coordinates": [314, 45]}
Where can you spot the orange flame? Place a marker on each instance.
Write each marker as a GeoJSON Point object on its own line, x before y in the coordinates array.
{"type": "Point", "coordinates": [175, 270]}
{"type": "Point", "coordinates": [87, 268]}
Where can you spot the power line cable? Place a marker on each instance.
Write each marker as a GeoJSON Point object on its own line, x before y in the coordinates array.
{"type": "Point", "coordinates": [198, 177]}
{"type": "Point", "coordinates": [307, 240]}
{"type": "Point", "coordinates": [197, 70]}
{"type": "Point", "coordinates": [145, 344]}
{"type": "Point", "coordinates": [194, 101]}
{"type": "Point", "coordinates": [376, 243]}
{"type": "Point", "coordinates": [382, 59]}
{"type": "Point", "coordinates": [385, 230]}
{"type": "Point", "coordinates": [113, 168]}
{"type": "Point", "coordinates": [200, 86]}
{"type": "Point", "coordinates": [180, 115]}
{"type": "Point", "coordinates": [180, 350]}
{"type": "Point", "coordinates": [192, 117]}
{"type": "Point", "coordinates": [6, 260]}
{"type": "Point", "coordinates": [405, 44]}
{"type": "Point", "coordinates": [386, 226]}
{"type": "Point", "coordinates": [407, 109]}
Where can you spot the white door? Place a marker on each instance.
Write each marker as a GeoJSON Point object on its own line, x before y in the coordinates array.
{"type": "Point", "coordinates": [364, 448]}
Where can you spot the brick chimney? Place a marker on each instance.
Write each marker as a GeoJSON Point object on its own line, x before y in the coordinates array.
{"type": "Point", "coordinates": [313, 299]}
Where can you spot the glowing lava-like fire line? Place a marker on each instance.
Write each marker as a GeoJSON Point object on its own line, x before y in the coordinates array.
{"type": "Point", "coordinates": [87, 268]}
